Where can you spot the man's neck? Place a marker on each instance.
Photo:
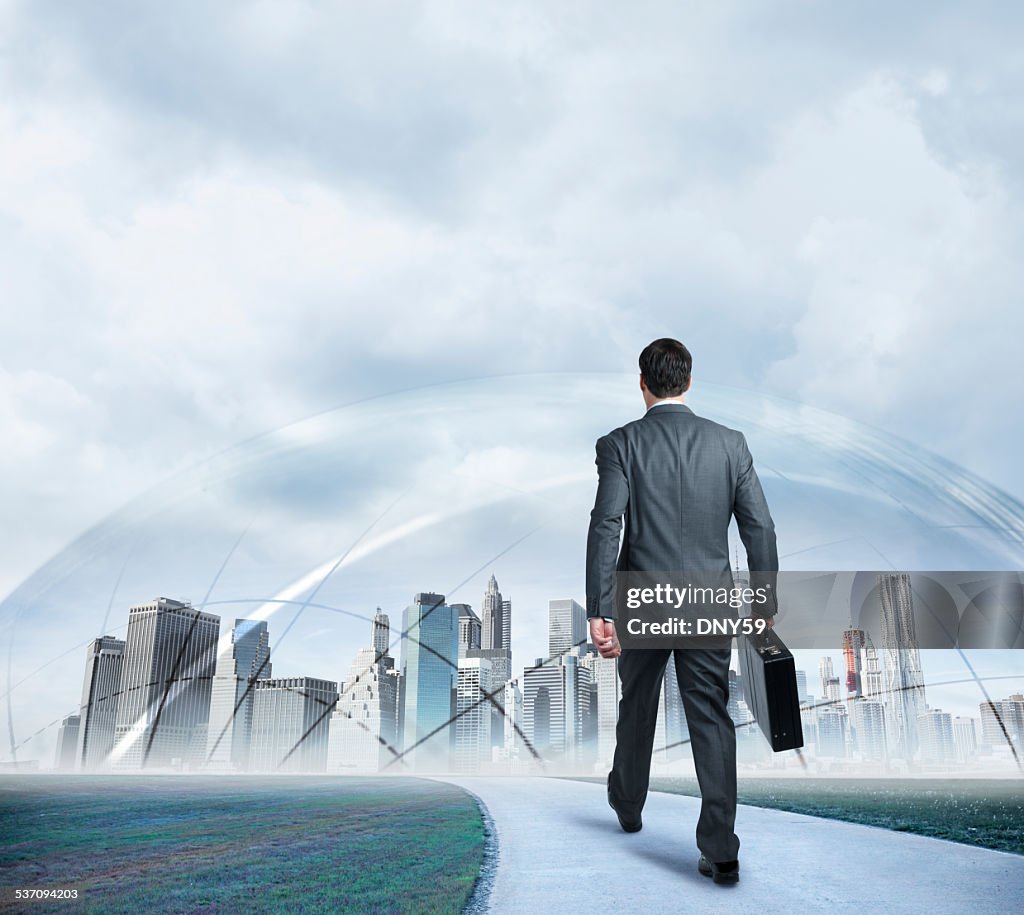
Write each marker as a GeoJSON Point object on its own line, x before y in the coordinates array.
{"type": "Point", "coordinates": [662, 400]}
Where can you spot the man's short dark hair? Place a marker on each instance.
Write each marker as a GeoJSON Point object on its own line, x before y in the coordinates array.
{"type": "Point", "coordinates": [665, 365]}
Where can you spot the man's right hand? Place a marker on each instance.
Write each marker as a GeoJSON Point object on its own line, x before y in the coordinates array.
{"type": "Point", "coordinates": [602, 634]}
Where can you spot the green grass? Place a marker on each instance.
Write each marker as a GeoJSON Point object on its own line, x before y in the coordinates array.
{"type": "Point", "coordinates": [241, 844]}
{"type": "Point", "coordinates": [984, 812]}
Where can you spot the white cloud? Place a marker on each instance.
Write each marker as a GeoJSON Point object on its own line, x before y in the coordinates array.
{"type": "Point", "coordinates": [322, 206]}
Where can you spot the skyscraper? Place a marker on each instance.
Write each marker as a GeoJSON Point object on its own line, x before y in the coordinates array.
{"type": "Point", "coordinates": [513, 723]}
{"type": "Point", "coordinates": [965, 737]}
{"type": "Point", "coordinates": [363, 727]}
{"type": "Point", "coordinates": [473, 724]}
{"type": "Point", "coordinates": [867, 718]}
{"type": "Point", "coordinates": [853, 643]}
{"type": "Point", "coordinates": [381, 632]}
{"type": "Point", "coordinates": [66, 754]}
{"type": "Point", "coordinates": [469, 628]}
{"type": "Point", "coordinates": [567, 626]}
{"type": "Point", "coordinates": [831, 732]}
{"type": "Point", "coordinates": [829, 681]}
{"type": "Point", "coordinates": [506, 627]}
{"type": "Point", "coordinates": [495, 646]}
{"type": "Point", "coordinates": [904, 683]}
{"type": "Point", "coordinates": [809, 724]}
{"type": "Point", "coordinates": [604, 673]}
{"type": "Point", "coordinates": [290, 724]}
{"type": "Point", "coordinates": [496, 615]}
{"type": "Point", "coordinates": [430, 654]}
{"type": "Point", "coordinates": [801, 685]}
{"type": "Point", "coordinates": [244, 657]}
{"type": "Point", "coordinates": [169, 660]}
{"type": "Point", "coordinates": [500, 662]}
{"type": "Point", "coordinates": [872, 677]}
{"type": "Point", "coordinates": [556, 698]}
{"type": "Point", "coordinates": [1002, 722]}
{"type": "Point", "coordinates": [101, 694]}
{"type": "Point", "coordinates": [169, 663]}
{"type": "Point", "coordinates": [935, 728]}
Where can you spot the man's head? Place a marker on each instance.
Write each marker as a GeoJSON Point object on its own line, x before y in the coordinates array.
{"type": "Point", "coordinates": [664, 369]}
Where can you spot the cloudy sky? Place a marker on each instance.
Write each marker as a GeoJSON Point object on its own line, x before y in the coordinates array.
{"type": "Point", "coordinates": [218, 220]}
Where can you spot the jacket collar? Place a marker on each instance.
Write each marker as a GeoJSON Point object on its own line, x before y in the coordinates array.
{"type": "Point", "coordinates": [668, 406]}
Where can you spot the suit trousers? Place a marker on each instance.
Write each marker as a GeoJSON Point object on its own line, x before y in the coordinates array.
{"type": "Point", "coordinates": [703, 676]}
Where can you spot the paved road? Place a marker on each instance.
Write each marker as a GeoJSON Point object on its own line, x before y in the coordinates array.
{"type": "Point", "coordinates": [560, 849]}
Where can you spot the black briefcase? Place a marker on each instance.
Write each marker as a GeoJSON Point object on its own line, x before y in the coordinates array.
{"type": "Point", "coordinates": [769, 681]}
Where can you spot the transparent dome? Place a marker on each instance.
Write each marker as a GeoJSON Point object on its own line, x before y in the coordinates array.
{"type": "Point", "coordinates": [316, 524]}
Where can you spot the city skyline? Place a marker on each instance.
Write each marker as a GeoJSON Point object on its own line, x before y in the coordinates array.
{"type": "Point", "coordinates": [576, 728]}
{"type": "Point", "coordinates": [318, 567]}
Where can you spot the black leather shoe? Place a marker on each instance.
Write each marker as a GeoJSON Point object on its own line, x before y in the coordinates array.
{"type": "Point", "coordinates": [719, 871]}
{"type": "Point", "coordinates": [627, 825]}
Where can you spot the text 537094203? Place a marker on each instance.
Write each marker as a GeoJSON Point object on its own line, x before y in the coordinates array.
{"type": "Point", "coordinates": [45, 893]}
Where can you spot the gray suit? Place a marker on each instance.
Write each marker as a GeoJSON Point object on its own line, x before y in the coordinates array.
{"type": "Point", "coordinates": [678, 480]}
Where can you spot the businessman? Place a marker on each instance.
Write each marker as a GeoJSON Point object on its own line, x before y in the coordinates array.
{"type": "Point", "coordinates": [676, 480]}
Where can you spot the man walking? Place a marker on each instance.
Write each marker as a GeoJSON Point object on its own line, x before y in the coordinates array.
{"type": "Point", "coordinates": [678, 479]}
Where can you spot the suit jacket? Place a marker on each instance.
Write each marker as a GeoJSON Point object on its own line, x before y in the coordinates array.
{"type": "Point", "coordinates": [678, 479]}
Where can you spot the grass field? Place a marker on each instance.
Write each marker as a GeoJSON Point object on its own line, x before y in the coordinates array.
{"type": "Point", "coordinates": [985, 812]}
{"type": "Point", "coordinates": [244, 844]}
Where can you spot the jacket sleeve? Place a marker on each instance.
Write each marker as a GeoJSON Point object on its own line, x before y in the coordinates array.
{"type": "Point", "coordinates": [757, 529]}
{"type": "Point", "coordinates": [605, 526]}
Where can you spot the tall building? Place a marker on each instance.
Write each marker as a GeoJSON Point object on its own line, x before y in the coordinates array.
{"type": "Point", "coordinates": [1015, 703]}
{"type": "Point", "coordinates": [965, 738]}
{"type": "Point", "coordinates": [381, 632]}
{"type": "Point", "coordinates": [567, 626]}
{"type": "Point", "coordinates": [867, 718]}
{"type": "Point", "coordinates": [853, 643]}
{"type": "Point", "coordinates": [513, 722]}
{"type": "Point", "coordinates": [831, 732]}
{"type": "Point", "coordinates": [499, 660]}
{"type": "Point", "coordinates": [170, 657]}
{"type": "Point", "coordinates": [904, 683]}
{"type": "Point", "coordinates": [829, 681]}
{"type": "Point", "coordinates": [66, 755]}
{"type": "Point", "coordinates": [496, 614]}
{"type": "Point", "coordinates": [364, 726]}
{"type": "Point", "coordinates": [290, 724]}
{"type": "Point", "coordinates": [556, 700]}
{"type": "Point", "coordinates": [809, 723]}
{"type": "Point", "coordinates": [244, 657]}
{"type": "Point", "coordinates": [935, 728]}
{"type": "Point", "coordinates": [474, 722]}
{"type": "Point", "coordinates": [736, 695]}
{"type": "Point", "coordinates": [494, 646]}
{"type": "Point", "coordinates": [1002, 722]}
{"type": "Point", "coordinates": [430, 654]}
{"type": "Point", "coordinates": [469, 628]}
{"type": "Point", "coordinates": [398, 681]}
{"type": "Point", "coordinates": [544, 707]}
{"type": "Point", "coordinates": [101, 694]}
{"type": "Point", "coordinates": [506, 626]}
{"type": "Point", "coordinates": [605, 676]}
{"type": "Point", "coordinates": [872, 676]}
{"type": "Point", "coordinates": [801, 685]}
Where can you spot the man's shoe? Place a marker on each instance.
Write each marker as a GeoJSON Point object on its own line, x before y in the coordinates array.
{"type": "Point", "coordinates": [627, 825]}
{"type": "Point", "coordinates": [721, 871]}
